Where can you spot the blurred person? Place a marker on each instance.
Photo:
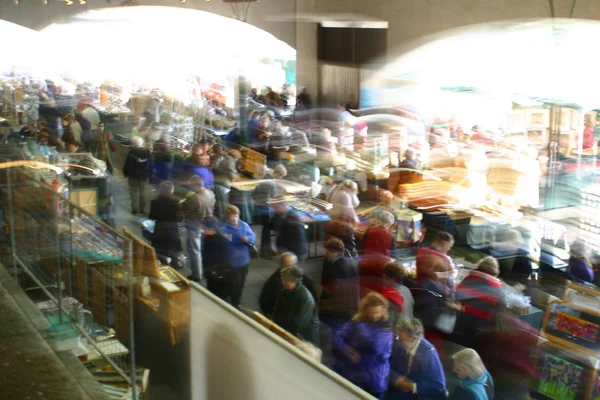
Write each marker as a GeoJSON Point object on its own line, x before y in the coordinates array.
{"type": "Point", "coordinates": [165, 211]}
{"type": "Point", "coordinates": [233, 138]}
{"type": "Point", "coordinates": [410, 160]}
{"type": "Point", "coordinates": [378, 238]}
{"type": "Point", "coordinates": [482, 298]}
{"type": "Point", "coordinates": [262, 196]}
{"type": "Point", "coordinates": [253, 123]}
{"type": "Point", "coordinates": [434, 259]}
{"type": "Point", "coordinates": [273, 97]}
{"type": "Point", "coordinates": [363, 346]}
{"type": "Point", "coordinates": [224, 168]}
{"type": "Point", "coordinates": [344, 199]}
{"type": "Point", "coordinates": [579, 265]}
{"type": "Point", "coordinates": [73, 147]}
{"type": "Point", "coordinates": [340, 286]}
{"type": "Point", "coordinates": [71, 128]}
{"type": "Point", "coordinates": [253, 94]}
{"type": "Point", "coordinates": [28, 131]}
{"type": "Point", "coordinates": [197, 206]}
{"type": "Point", "coordinates": [295, 310]}
{"type": "Point", "coordinates": [291, 234]}
{"type": "Point", "coordinates": [285, 94]}
{"type": "Point", "coordinates": [87, 135]}
{"type": "Point", "coordinates": [434, 300]}
{"type": "Point", "coordinates": [351, 103]}
{"type": "Point", "coordinates": [416, 370]}
{"type": "Point", "coordinates": [303, 101]}
{"type": "Point", "coordinates": [103, 152]}
{"type": "Point", "coordinates": [137, 172]}
{"type": "Point", "coordinates": [216, 259]}
{"type": "Point", "coordinates": [341, 227]}
{"type": "Point", "coordinates": [474, 381]}
{"type": "Point", "coordinates": [84, 106]}
{"type": "Point", "coordinates": [240, 235]}
{"type": "Point", "coordinates": [162, 161]}
{"type": "Point", "coordinates": [269, 295]}
{"type": "Point", "coordinates": [198, 163]}
{"type": "Point", "coordinates": [258, 137]}
{"type": "Point", "coordinates": [393, 274]}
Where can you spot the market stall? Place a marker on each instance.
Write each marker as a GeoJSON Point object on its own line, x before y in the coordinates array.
{"type": "Point", "coordinates": [569, 367]}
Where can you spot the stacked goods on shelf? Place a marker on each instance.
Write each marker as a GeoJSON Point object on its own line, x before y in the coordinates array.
{"type": "Point", "coordinates": [374, 150]}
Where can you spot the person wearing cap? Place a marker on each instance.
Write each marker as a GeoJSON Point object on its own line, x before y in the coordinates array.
{"type": "Point", "coordinates": [291, 234]}
{"type": "Point", "coordinates": [296, 310]}
{"type": "Point", "coordinates": [197, 206]}
{"type": "Point", "coordinates": [271, 291]}
{"type": "Point", "coordinates": [262, 195]}
{"type": "Point", "coordinates": [216, 259]}
{"type": "Point", "coordinates": [165, 211]}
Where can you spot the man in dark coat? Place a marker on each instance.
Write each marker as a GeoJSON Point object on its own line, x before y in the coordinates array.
{"type": "Point", "coordinates": [262, 195]}
{"type": "Point", "coordinates": [165, 211]}
{"type": "Point", "coordinates": [271, 291]}
{"type": "Point", "coordinates": [137, 172]}
{"type": "Point", "coordinates": [291, 235]}
{"type": "Point", "coordinates": [296, 310]}
{"type": "Point", "coordinates": [216, 259]}
{"type": "Point", "coordinates": [340, 282]}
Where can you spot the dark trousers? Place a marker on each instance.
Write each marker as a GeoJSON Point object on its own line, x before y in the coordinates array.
{"type": "Point", "coordinates": [265, 236]}
{"type": "Point", "coordinates": [220, 288]}
{"type": "Point", "coordinates": [238, 279]}
{"type": "Point", "coordinates": [138, 189]}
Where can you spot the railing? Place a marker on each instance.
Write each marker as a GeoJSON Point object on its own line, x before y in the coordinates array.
{"type": "Point", "coordinates": [57, 247]}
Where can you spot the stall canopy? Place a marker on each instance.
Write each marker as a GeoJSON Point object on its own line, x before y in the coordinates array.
{"type": "Point", "coordinates": [159, 45]}
{"type": "Point", "coordinates": [544, 59]}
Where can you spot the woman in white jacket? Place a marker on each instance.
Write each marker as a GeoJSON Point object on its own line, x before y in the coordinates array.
{"type": "Point", "coordinates": [344, 198]}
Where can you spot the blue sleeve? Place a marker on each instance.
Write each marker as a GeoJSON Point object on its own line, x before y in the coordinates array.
{"type": "Point", "coordinates": [340, 338]}
{"type": "Point", "coordinates": [249, 233]}
{"type": "Point", "coordinates": [397, 365]}
{"type": "Point", "coordinates": [432, 379]}
{"type": "Point", "coordinates": [382, 344]}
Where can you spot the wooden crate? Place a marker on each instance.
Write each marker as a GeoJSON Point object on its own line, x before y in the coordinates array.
{"type": "Point", "coordinates": [122, 317]}
{"type": "Point", "coordinates": [144, 256]}
{"type": "Point", "coordinates": [174, 306]}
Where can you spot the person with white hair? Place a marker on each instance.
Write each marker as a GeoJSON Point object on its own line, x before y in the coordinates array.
{"type": "Point", "coordinates": [379, 239]}
{"type": "Point", "coordinates": [579, 264]}
{"type": "Point", "coordinates": [474, 381]}
{"type": "Point", "coordinates": [137, 172]}
{"type": "Point", "coordinates": [416, 369]}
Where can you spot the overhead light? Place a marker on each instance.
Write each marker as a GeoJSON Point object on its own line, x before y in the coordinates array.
{"type": "Point", "coordinates": [45, 2]}
{"type": "Point", "coordinates": [182, 1]}
{"type": "Point", "coordinates": [16, 3]}
{"type": "Point", "coordinates": [69, 2]}
{"type": "Point", "coordinates": [82, 2]}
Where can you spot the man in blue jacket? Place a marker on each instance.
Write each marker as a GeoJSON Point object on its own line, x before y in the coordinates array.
{"type": "Point", "coordinates": [416, 369]}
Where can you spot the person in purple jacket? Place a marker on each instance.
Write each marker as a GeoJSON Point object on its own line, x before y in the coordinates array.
{"type": "Point", "coordinates": [363, 346]}
{"type": "Point", "coordinates": [416, 369]}
{"type": "Point", "coordinates": [579, 265]}
{"type": "Point", "coordinates": [240, 235]}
